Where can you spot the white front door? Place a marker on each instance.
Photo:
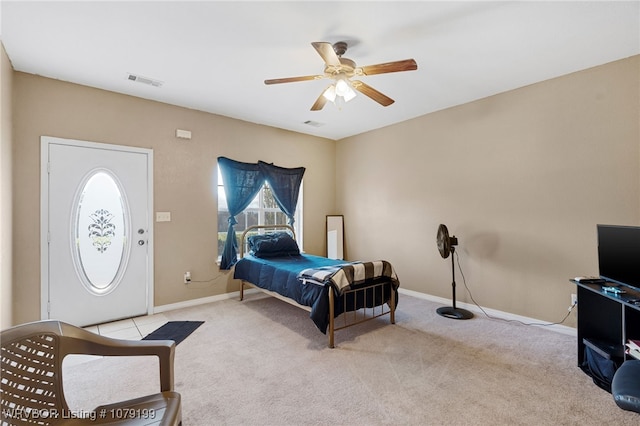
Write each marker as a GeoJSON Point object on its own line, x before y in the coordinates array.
{"type": "Point", "coordinates": [97, 253]}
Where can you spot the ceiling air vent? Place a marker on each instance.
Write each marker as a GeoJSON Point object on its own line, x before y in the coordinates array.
{"type": "Point", "coordinates": [313, 123]}
{"type": "Point", "coordinates": [144, 80]}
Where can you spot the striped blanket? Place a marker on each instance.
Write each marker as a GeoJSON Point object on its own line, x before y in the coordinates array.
{"type": "Point", "coordinates": [344, 276]}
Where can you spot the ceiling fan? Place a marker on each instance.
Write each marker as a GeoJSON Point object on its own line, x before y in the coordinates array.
{"type": "Point", "coordinates": [341, 70]}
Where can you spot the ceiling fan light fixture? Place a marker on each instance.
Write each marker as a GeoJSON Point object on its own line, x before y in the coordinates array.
{"type": "Point", "coordinates": [330, 93]}
{"type": "Point", "coordinates": [339, 102]}
{"type": "Point", "coordinates": [339, 93]}
{"type": "Point", "coordinates": [344, 89]}
{"type": "Point", "coordinates": [349, 95]}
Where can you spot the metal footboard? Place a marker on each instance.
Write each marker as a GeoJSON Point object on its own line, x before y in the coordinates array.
{"type": "Point", "coordinates": [351, 315]}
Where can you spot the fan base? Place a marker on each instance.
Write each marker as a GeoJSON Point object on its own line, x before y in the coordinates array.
{"type": "Point", "coordinates": [454, 313]}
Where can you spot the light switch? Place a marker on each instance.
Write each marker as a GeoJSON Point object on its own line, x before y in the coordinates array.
{"type": "Point", "coordinates": [163, 216]}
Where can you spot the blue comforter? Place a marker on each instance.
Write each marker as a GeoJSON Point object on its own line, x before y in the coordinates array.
{"type": "Point", "coordinates": [280, 274]}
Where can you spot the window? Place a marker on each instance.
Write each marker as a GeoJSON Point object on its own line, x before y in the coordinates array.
{"type": "Point", "coordinates": [101, 222]}
{"type": "Point", "coordinates": [263, 210]}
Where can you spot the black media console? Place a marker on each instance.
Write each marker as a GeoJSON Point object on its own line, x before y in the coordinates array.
{"type": "Point", "coordinates": [606, 320]}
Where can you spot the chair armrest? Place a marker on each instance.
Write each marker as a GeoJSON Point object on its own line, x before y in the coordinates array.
{"type": "Point", "coordinates": [76, 340]}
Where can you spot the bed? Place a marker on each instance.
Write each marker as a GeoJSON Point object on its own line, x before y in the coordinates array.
{"type": "Point", "coordinates": [337, 294]}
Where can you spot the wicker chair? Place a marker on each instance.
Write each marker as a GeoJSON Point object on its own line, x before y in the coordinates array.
{"type": "Point", "coordinates": [31, 382]}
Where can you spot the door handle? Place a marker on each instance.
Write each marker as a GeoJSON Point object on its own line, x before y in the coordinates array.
{"type": "Point", "coordinates": [140, 242]}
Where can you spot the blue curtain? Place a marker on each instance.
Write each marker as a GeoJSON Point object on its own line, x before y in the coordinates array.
{"type": "Point", "coordinates": [285, 186]}
{"type": "Point", "coordinates": [242, 182]}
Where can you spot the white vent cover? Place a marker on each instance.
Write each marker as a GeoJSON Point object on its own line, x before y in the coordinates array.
{"type": "Point", "coordinates": [144, 80]}
{"type": "Point", "coordinates": [313, 123]}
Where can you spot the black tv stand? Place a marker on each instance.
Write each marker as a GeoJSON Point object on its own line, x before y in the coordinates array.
{"type": "Point", "coordinates": [606, 320]}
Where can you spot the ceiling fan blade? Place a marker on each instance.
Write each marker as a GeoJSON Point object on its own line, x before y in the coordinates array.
{"type": "Point", "coordinates": [406, 65]}
{"type": "Point", "coordinates": [369, 91]}
{"type": "Point", "coordinates": [319, 103]}
{"type": "Point", "coordinates": [325, 50]}
{"type": "Point", "coordinates": [293, 79]}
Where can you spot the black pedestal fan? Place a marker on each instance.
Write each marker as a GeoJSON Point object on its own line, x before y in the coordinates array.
{"type": "Point", "coordinates": [446, 247]}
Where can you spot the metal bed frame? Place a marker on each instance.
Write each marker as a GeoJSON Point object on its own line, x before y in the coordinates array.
{"type": "Point", "coordinates": [349, 317]}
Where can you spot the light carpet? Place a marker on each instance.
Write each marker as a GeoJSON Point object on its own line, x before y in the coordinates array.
{"type": "Point", "coordinates": [263, 362]}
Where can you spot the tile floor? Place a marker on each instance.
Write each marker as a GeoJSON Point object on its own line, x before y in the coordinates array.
{"type": "Point", "coordinates": [128, 329]}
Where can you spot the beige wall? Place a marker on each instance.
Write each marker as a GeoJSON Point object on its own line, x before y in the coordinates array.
{"type": "Point", "coordinates": [184, 178]}
{"type": "Point", "coordinates": [6, 139]}
{"type": "Point", "coordinates": [521, 178]}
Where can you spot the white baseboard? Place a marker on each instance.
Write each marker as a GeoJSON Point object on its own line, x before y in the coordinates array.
{"type": "Point", "coordinates": [201, 301]}
{"type": "Point", "coordinates": [491, 312]}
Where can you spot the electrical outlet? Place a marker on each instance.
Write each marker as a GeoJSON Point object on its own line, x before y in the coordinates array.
{"type": "Point", "coordinates": [574, 299]}
{"type": "Point", "coordinates": [187, 277]}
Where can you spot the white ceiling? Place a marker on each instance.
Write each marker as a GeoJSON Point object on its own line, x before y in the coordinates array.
{"type": "Point", "coordinates": [214, 56]}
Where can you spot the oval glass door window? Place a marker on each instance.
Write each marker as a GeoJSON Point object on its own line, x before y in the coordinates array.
{"type": "Point", "coordinates": [100, 233]}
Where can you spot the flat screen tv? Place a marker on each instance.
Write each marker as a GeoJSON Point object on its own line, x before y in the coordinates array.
{"type": "Point", "coordinates": [619, 254]}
